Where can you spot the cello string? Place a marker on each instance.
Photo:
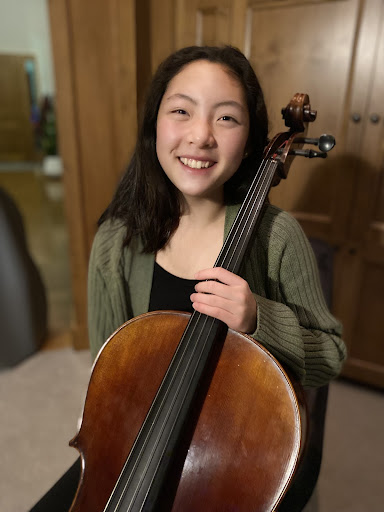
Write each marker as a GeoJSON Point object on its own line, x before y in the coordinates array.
{"type": "Point", "coordinates": [272, 164]}
{"type": "Point", "coordinates": [265, 179]}
{"type": "Point", "coordinates": [235, 240]}
{"type": "Point", "coordinates": [242, 241]}
{"type": "Point", "coordinates": [247, 205]}
{"type": "Point", "coordinates": [260, 188]}
{"type": "Point", "coordinates": [145, 442]}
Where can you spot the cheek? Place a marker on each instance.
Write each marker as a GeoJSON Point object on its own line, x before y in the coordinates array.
{"type": "Point", "coordinates": [166, 136]}
{"type": "Point", "coordinates": [235, 148]}
{"type": "Point", "coordinates": [159, 139]}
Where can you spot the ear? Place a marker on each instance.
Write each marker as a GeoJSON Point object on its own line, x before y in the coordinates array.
{"type": "Point", "coordinates": [246, 153]}
{"type": "Point", "coordinates": [247, 149]}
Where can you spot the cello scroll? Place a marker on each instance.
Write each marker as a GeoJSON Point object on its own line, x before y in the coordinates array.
{"type": "Point", "coordinates": [285, 146]}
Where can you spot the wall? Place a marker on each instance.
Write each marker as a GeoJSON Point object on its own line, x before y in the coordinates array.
{"type": "Point", "coordinates": [24, 29]}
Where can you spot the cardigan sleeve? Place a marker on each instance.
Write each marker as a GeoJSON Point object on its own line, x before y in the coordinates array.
{"type": "Point", "coordinates": [107, 302]}
{"type": "Point", "coordinates": [294, 322]}
{"type": "Point", "coordinates": [99, 312]}
{"type": "Point", "coordinates": [99, 305]}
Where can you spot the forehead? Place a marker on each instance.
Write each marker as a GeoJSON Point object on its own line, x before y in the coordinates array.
{"type": "Point", "coordinates": [202, 76]}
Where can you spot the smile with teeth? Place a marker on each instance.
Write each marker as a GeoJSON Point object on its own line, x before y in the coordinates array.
{"type": "Point", "coordinates": [196, 164]}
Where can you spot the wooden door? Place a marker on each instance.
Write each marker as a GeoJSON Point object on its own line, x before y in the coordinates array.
{"type": "Point", "coordinates": [17, 139]}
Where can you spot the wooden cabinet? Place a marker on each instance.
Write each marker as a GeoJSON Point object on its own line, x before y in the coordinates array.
{"type": "Point", "coordinates": [334, 51]}
{"type": "Point", "coordinates": [359, 291]}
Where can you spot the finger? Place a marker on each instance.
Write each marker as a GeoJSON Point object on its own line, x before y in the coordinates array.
{"type": "Point", "coordinates": [215, 312]}
{"type": "Point", "coordinates": [213, 301]}
{"type": "Point", "coordinates": [219, 274]}
{"type": "Point", "coordinates": [238, 291]}
{"type": "Point", "coordinates": [240, 316]}
{"type": "Point", "coordinates": [216, 288]}
{"type": "Point", "coordinates": [234, 321]}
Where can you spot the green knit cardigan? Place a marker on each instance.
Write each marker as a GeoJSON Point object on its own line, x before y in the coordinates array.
{"type": "Point", "coordinates": [293, 321]}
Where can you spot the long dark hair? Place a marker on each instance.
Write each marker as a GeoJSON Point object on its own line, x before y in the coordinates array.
{"type": "Point", "coordinates": [146, 201]}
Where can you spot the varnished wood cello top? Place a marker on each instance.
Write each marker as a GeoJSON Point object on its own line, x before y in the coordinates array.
{"type": "Point", "coordinates": [247, 438]}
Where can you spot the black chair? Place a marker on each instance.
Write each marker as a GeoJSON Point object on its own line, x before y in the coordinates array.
{"type": "Point", "coordinates": [23, 305]}
{"type": "Point", "coordinates": [307, 474]}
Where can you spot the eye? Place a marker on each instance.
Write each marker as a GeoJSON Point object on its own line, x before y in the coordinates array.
{"type": "Point", "coordinates": [180, 111]}
{"type": "Point", "coordinates": [228, 119]}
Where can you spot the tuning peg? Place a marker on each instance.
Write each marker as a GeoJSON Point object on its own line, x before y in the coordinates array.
{"type": "Point", "coordinates": [308, 153]}
{"type": "Point", "coordinates": [325, 142]}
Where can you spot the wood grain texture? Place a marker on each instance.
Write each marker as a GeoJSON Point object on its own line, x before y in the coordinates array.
{"type": "Point", "coordinates": [247, 439]}
{"type": "Point", "coordinates": [95, 67]}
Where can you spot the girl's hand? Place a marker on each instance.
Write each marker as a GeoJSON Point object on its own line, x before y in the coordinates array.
{"type": "Point", "coordinates": [227, 297]}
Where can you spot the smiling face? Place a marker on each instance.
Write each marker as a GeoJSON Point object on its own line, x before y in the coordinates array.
{"type": "Point", "coordinates": [202, 129]}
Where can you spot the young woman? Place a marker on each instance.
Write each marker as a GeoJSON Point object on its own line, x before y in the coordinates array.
{"type": "Point", "coordinates": [201, 140]}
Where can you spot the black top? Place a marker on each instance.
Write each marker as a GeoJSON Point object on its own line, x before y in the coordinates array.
{"type": "Point", "coordinates": [170, 292]}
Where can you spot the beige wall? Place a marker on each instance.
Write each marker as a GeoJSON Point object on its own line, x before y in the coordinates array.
{"type": "Point", "coordinates": [24, 29]}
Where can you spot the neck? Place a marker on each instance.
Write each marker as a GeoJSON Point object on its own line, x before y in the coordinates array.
{"type": "Point", "coordinates": [202, 212]}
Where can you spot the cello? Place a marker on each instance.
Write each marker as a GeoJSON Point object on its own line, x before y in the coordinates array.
{"type": "Point", "coordinates": [181, 412]}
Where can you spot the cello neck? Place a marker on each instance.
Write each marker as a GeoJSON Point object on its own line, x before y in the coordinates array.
{"type": "Point", "coordinates": [244, 225]}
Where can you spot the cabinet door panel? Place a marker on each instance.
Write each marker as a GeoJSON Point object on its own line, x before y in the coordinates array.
{"type": "Point", "coordinates": [364, 310]}
{"type": "Point", "coordinates": [368, 213]}
{"type": "Point", "coordinates": [307, 47]}
{"type": "Point", "coordinates": [209, 22]}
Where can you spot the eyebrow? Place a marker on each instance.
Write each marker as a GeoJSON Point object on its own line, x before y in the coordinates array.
{"type": "Point", "coordinates": [227, 103]}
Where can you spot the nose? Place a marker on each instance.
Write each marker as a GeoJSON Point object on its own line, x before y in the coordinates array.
{"type": "Point", "coordinates": [201, 133]}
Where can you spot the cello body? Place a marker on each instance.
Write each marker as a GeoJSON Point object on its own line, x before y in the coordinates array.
{"type": "Point", "coordinates": [246, 441]}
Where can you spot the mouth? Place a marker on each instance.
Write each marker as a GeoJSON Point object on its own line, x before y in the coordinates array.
{"type": "Point", "coordinates": [196, 164]}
